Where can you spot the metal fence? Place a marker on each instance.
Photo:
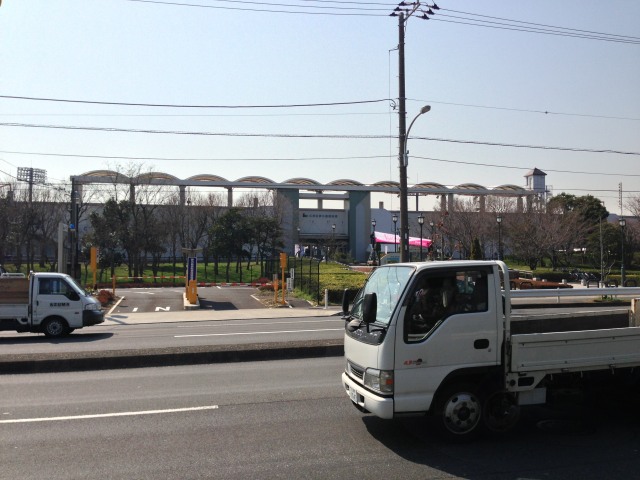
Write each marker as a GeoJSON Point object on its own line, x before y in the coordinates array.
{"type": "Point", "coordinates": [306, 275]}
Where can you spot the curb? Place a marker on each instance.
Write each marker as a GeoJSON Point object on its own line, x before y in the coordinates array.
{"type": "Point", "coordinates": [165, 357]}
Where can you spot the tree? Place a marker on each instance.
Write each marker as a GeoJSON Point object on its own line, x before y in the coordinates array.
{"type": "Point", "coordinates": [476, 250]}
{"type": "Point", "coordinates": [589, 207]}
{"type": "Point", "coordinates": [229, 234]}
{"type": "Point", "coordinates": [528, 238]}
{"type": "Point", "coordinates": [603, 247]}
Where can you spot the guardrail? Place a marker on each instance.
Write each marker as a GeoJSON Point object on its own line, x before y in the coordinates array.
{"type": "Point", "coordinates": [575, 292]}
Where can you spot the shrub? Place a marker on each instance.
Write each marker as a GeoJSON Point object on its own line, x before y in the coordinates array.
{"type": "Point", "coordinates": [105, 297]}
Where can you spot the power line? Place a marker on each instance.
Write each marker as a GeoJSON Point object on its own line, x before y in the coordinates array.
{"type": "Point", "coordinates": [525, 110]}
{"type": "Point", "coordinates": [303, 159]}
{"type": "Point", "coordinates": [336, 8]}
{"type": "Point", "coordinates": [237, 107]}
{"type": "Point", "coordinates": [293, 135]}
{"type": "Point", "coordinates": [478, 164]}
{"type": "Point", "coordinates": [265, 10]}
{"type": "Point", "coordinates": [516, 145]}
{"type": "Point", "coordinates": [125, 104]}
{"type": "Point", "coordinates": [544, 25]}
{"type": "Point", "coordinates": [181, 159]}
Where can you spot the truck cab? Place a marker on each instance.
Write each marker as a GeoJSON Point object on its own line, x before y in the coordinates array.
{"type": "Point", "coordinates": [418, 331]}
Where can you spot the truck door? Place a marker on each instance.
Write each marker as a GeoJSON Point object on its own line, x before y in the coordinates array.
{"type": "Point", "coordinates": [54, 296]}
{"type": "Point", "coordinates": [450, 322]}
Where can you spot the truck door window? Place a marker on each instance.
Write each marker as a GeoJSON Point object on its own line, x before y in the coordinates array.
{"type": "Point", "coordinates": [437, 297]}
{"type": "Point", "coordinates": [57, 286]}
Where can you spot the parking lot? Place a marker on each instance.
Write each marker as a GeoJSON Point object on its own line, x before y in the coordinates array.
{"type": "Point", "coordinates": [170, 299]}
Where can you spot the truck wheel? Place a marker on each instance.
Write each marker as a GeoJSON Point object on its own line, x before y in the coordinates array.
{"type": "Point", "coordinates": [500, 413]}
{"type": "Point", "coordinates": [459, 410]}
{"type": "Point", "coordinates": [55, 327]}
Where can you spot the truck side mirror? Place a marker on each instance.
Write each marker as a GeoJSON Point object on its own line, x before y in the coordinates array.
{"type": "Point", "coordinates": [345, 303]}
{"type": "Point", "coordinates": [369, 308]}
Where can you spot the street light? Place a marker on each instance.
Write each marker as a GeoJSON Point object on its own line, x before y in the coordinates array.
{"type": "Point", "coordinates": [622, 223]}
{"type": "Point", "coordinates": [395, 233]}
{"type": "Point", "coordinates": [333, 240]}
{"type": "Point", "coordinates": [499, 220]}
{"type": "Point", "coordinates": [433, 240]}
{"type": "Point", "coordinates": [373, 257]}
{"type": "Point", "coordinates": [421, 222]}
{"type": "Point", "coordinates": [404, 161]}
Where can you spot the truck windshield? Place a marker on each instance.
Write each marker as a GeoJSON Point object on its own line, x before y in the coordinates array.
{"type": "Point", "coordinates": [387, 283]}
{"type": "Point", "coordinates": [78, 288]}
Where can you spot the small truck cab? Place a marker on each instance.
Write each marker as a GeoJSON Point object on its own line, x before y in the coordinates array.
{"type": "Point", "coordinates": [435, 339]}
{"type": "Point", "coordinates": [51, 303]}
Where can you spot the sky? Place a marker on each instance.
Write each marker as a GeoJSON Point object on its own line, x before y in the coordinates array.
{"type": "Point", "coordinates": [305, 88]}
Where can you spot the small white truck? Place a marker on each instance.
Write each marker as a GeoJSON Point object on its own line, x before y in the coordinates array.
{"type": "Point", "coordinates": [51, 303]}
{"type": "Point", "coordinates": [438, 338]}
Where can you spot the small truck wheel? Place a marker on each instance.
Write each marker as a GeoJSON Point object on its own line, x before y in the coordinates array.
{"type": "Point", "coordinates": [55, 327]}
{"type": "Point", "coordinates": [459, 411]}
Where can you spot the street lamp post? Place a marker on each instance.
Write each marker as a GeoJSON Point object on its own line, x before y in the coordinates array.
{"type": "Point", "coordinates": [433, 240]}
{"type": "Point", "coordinates": [499, 220]}
{"type": "Point", "coordinates": [404, 162]}
{"type": "Point", "coordinates": [374, 256]}
{"type": "Point", "coordinates": [395, 233]}
{"type": "Point", "coordinates": [622, 223]}
{"type": "Point", "coordinates": [421, 222]}
{"type": "Point", "coordinates": [333, 240]}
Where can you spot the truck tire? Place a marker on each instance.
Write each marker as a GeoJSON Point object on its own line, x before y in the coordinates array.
{"type": "Point", "coordinates": [500, 412]}
{"type": "Point", "coordinates": [55, 327]}
{"type": "Point", "coordinates": [459, 412]}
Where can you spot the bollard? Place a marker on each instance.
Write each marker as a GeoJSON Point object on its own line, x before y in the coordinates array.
{"type": "Point", "coordinates": [634, 313]}
{"type": "Point", "coordinates": [326, 298]}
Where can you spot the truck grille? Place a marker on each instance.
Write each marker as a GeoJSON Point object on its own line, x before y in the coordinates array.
{"type": "Point", "coordinates": [355, 370]}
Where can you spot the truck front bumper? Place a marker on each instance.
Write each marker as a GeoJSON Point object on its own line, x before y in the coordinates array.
{"type": "Point", "coordinates": [367, 401]}
{"type": "Point", "coordinates": [92, 317]}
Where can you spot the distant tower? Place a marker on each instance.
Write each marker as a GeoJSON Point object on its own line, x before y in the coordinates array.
{"type": "Point", "coordinates": [536, 182]}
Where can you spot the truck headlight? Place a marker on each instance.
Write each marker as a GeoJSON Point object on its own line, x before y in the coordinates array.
{"type": "Point", "coordinates": [379, 380]}
{"type": "Point", "coordinates": [92, 306]}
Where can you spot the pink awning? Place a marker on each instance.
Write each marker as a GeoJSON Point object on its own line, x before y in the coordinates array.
{"type": "Point", "coordinates": [382, 237]}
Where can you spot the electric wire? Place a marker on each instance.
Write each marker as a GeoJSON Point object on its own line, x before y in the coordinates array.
{"type": "Point", "coordinates": [310, 136]}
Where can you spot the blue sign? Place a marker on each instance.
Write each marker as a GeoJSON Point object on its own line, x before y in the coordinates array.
{"type": "Point", "coordinates": [192, 263]}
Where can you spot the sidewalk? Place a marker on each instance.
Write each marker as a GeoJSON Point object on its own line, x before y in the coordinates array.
{"type": "Point", "coordinates": [213, 315]}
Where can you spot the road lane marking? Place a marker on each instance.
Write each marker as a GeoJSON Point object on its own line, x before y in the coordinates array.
{"type": "Point", "coordinates": [258, 333]}
{"type": "Point", "coordinates": [244, 323]}
{"type": "Point", "coordinates": [163, 309]}
{"type": "Point", "coordinates": [109, 415]}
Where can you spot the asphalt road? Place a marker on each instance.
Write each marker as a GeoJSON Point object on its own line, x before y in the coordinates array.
{"type": "Point", "coordinates": [178, 334]}
{"type": "Point", "coordinates": [277, 420]}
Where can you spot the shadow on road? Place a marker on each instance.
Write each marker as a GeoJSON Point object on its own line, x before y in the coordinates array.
{"type": "Point", "coordinates": [39, 338]}
{"type": "Point", "coordinates": [211, 305]}
{"type": "Point", "coordinates": [591, 443]}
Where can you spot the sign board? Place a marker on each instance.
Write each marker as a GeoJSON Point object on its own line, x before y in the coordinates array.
{"type": "Point", "coordinates": [192, 264]}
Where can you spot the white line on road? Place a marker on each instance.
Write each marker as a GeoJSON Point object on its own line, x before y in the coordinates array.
{"type": "Point", "coordinates": [244, 323]}
{"type": "Point", "coordinates": [108, 415]}
{"type": "Point", "coordinates": [258, 333]}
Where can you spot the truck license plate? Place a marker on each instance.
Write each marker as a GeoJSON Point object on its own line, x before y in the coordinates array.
{"type": "Point", "coordinates": [353, 394]}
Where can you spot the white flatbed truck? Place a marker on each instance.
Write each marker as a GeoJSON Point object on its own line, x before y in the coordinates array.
{"type": "Point", "coordinates": [49, 303]}
{"type": "Point", "coordinates": [436, 338]}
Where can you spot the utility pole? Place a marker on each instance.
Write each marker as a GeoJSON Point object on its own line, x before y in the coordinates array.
{"type": "Point", "coordinates": [403, 11]}
{"type": "Point", "coordinates": [402, 134]}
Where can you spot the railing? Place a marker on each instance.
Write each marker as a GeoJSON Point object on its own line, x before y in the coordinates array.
{"type": "Point", "coordinates": [575, 292]}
